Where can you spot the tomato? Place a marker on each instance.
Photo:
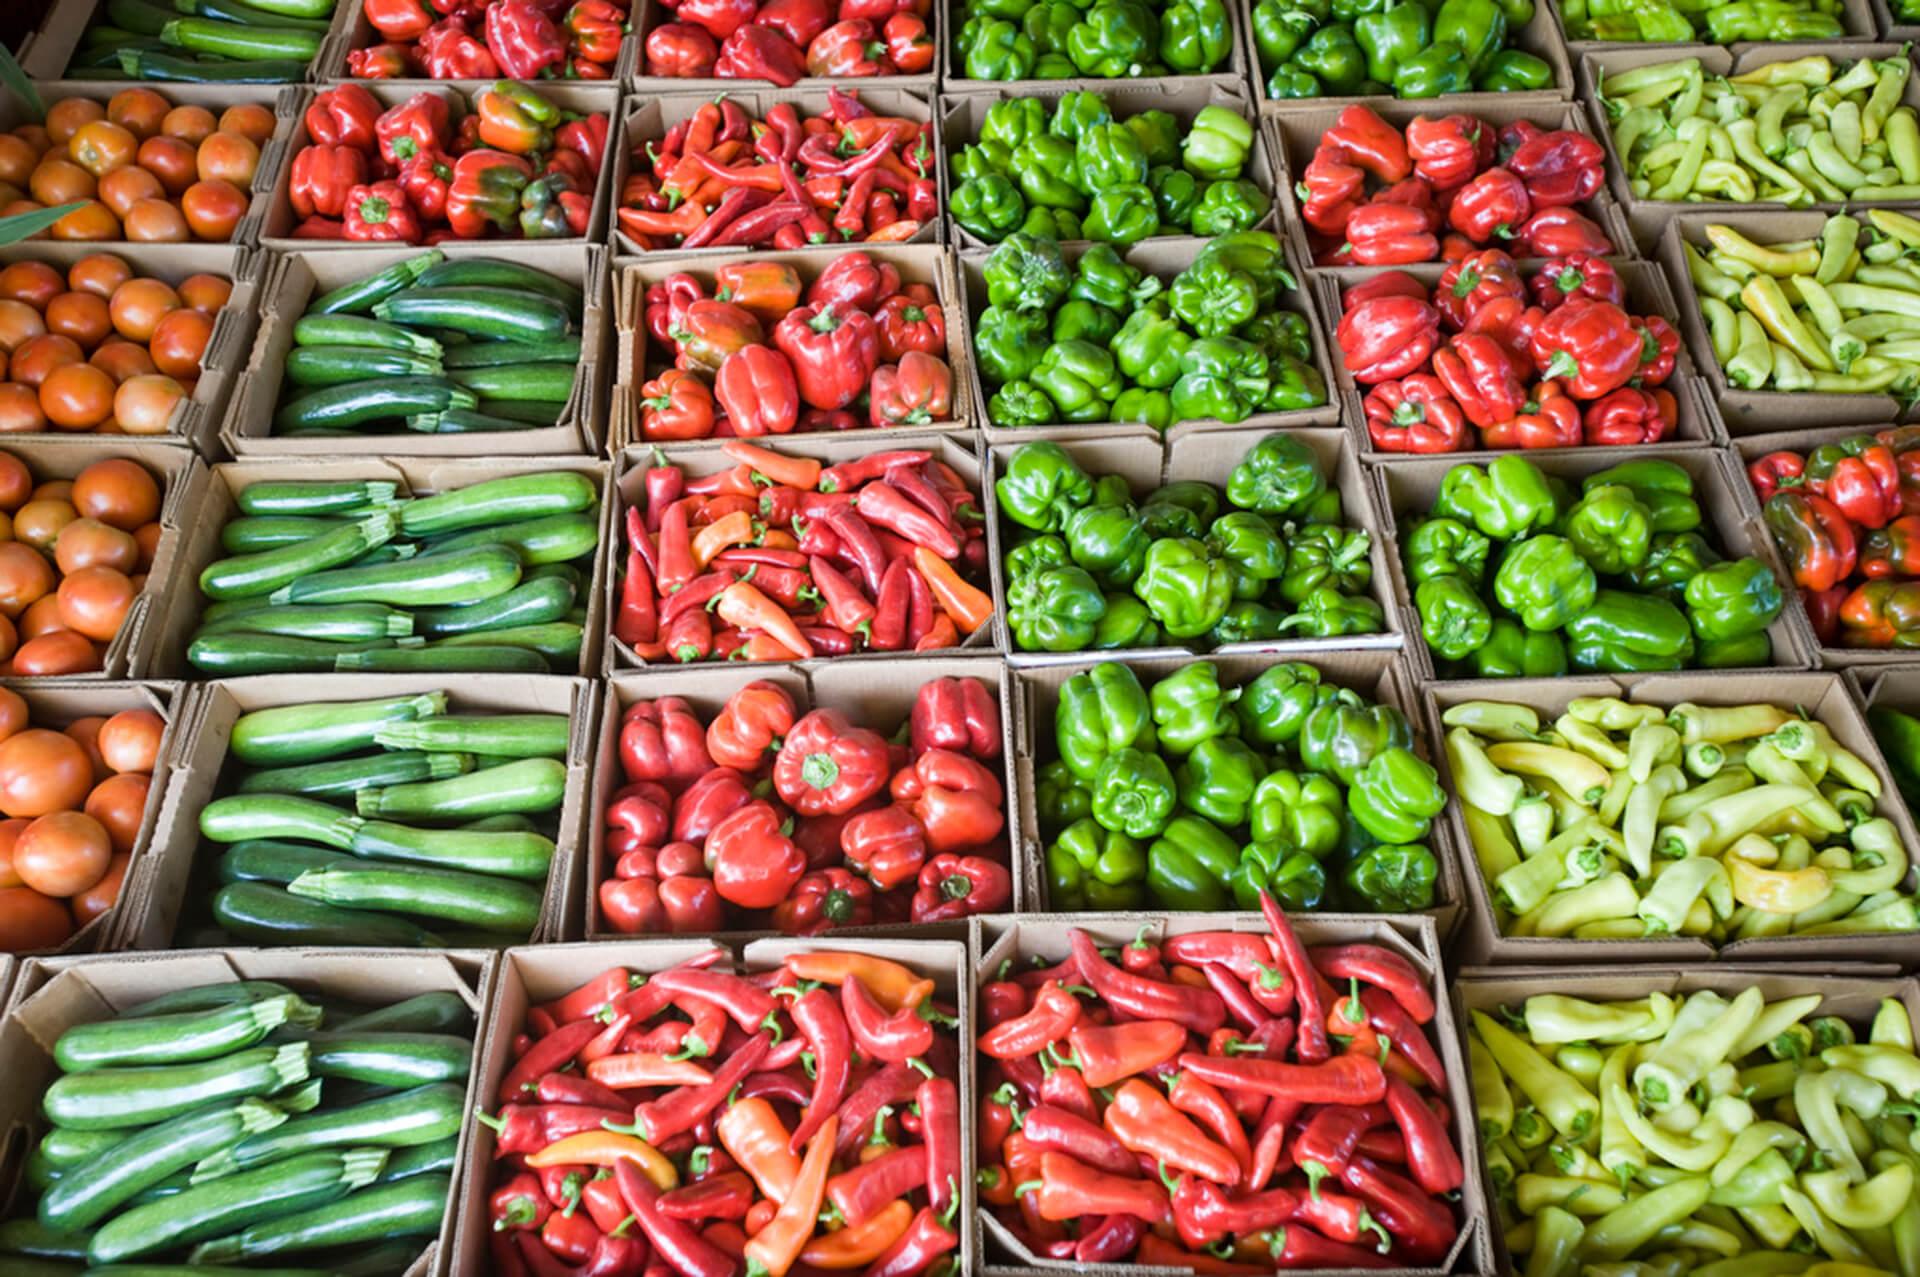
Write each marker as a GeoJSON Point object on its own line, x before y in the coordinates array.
{"type": "Point", "coordinates": [147, 537]}
{"type": "Point", "coordinates": [102, 146]}
{"type": "Point", "coordinates": [34, 283]}
{"type": "Point", "coordinates": [123, 188]}
{"type": "Point", "coordinates": [102, 895]}
{"type": "Point", "coordinates": [206, 293]}
{"type": "Point", "coordinates": [170, 160]}
{"type": "Point", "coordinates": [35, 360]}
{"type": "Point", "coordinates": [99, 274]}
{"type": "Point", "coordinates": [65, 118]}
{"type": "Point", "coordinates": [157, 222]}
{"type": "Point", "coordinates": [41, 617]}
{"type": "Point", "coordinates": [17, 158]}
{"type": "Point", "coordinates": [86, 543]}
{"type": "Point", "coordinates": [232, 157]}
{"type": "Point", "coordinates": [19, 323]}
{"type": "Point", "coordinates": [250, 120]}
{"type": "Point", "coordinates": [20, 410]}
{"type": "Point", "coordinates": [213, 209]}
{"type": "Point", "coordinates": [95, 601]}
{"type": "Point", "coordinates": [55, 652]}
{"type": "Point", "coordinates": [144, 405]}
{"type": "Point", "coordinates": [180, 342]}
{"type": "Point", "coordinates": [81, 316]}
{"type": "Point", "coordinates": [118, 492]}
{"type": "Point", "coordinates": [62, 853]}
{"type": "Point", "coordinates": [86, 732]}
{"type": "Point", "coordinates": [121, 359]}
{"type": "Point", "coordinates": [189, 123]}
{"type": "Point", "coordinates": [9, 834]}
{"type": "Point", "coordinates": [140, 111]}
{"type": "Point", "coordinates": [120, 802]}
{"type": "Point", "coordinates": [130, 740]}
{"type": "Point", "coordinates": [139, 305]}
{"type": "Point", "coordinates": [90, 223]}
{"type": "Point", "coordinates": [29, 921]}
{"type": "Point", "coordinates": [57, 181]}
{"type": "Point", "coordinates": [77, 397]}
{"type": "Point", "coordinates": [42, 771]}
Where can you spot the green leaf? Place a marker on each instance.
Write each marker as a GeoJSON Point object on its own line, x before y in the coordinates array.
{"type": "Point", "coordinates": [25, 225]}
{"type": "Point", "coordinates": [15, 79]}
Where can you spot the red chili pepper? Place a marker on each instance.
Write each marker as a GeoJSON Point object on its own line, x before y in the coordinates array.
{"type": "Point", "coordinates": [678, 1110]}
{"type": "Point", "coordinates": [1326, 1144]}
{"type": "Point", "coordinates": [673, 1240]}
{"type": "Point", "coordinates": [520, 1203]}
{"type": "Point", "coordinates": [1106, 1054]}
{"type": "Point", "coordinates": [1049, 1127]}
{"type": "Point", "coordinates": [565, 1088]}
{"type": "Point", "coordinates": [1381, 968]}
{"type": "Point", "coordinates": [528, 1128]}
{"type": "Point", "coordinates": [927, 1238]}
{"type": "Point", "coordinates": [817, 1014]}
{"type": "Point", "coordinates": [1421, 1228]}
{"type": "Point", "coordinates": [1054, 1012]}
{"type": "Point", "coordinates": [1070, 1189]}
{"type": "Point", "coordinates": [1199, 1010]}
{"type": "Point", "coordinates": [1430, 1153]}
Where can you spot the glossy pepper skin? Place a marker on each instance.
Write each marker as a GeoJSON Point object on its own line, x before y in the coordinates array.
{"type": "Point", "coordinates": [1280, 476]}
{"type": "Point", "coordinates": [1673, 559]}
{"type": "Point", "coordinates": [1101, 710]}
{"type": "Point", "coordinates": [1054, 609]}
{"type": "Point", "coordinates": [1733, 599]}
{"type": "Point", "coordinates": [1321, 555]}
{"type": "Point", "coordinates": [1093, 868]}
{"type": "Point", "coordinates": [1611, 529]}
{"type": "Point", "coordinates": [1291, 877]}
{"type": "Point", "coordinates": [1133, 793]}
{"type": "Point", "coordinates": [1026, 273]}
{"type": "Point", "coordinates": [1589, 346]}
{"type": "Point", "coordinates": [1185, 585]}
{"type": "Point", "coordinates": [1396, 796]}
{"type": "Point", "coordinates": [1443, 547]}
{"type": "Point", "coordinates": [1507, 499]}
{"type": "Point", "coordinates": [1513, 651]}
{"type": "Point", "coordinates": [1817, 541]}
{"type": "Point", "coordinates": [1218, 780]}
{"type": "Point", "coordinates": [1394, 878]}
{"type": "Point", "coordinates": [1386, 338]}
{"type": "Point", "coordinates": [1343, 734]}
{"type": "Point", "coordinates": [1042, 486]}
{"type": "Point", "coordinates": [1665, 488]}
{"type": "Point", "coordinates": [1544, 581]}
{"type": "Point", "coordinates": [1626, 633]}
{"type": "Point", "coordinates": [1190, 866]}
{"type": "Point", "coordinates": [1009, 343]}
{"type": "Point", "coordinates": [1453, 619]}
{"type": "Point", "coordinates": [1881, 614]}
{"type": "Point", "coordinates": [1859, 476]}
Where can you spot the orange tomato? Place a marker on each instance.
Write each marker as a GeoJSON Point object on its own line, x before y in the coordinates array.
{"type": "Point", "coordinates": [77, 397]}
{"type": "Point", "coordinates": [143, 404]}
{"type": "Point", "coordinates": [140, 111]}
{"type": "Point", "coordinates": [121, 359]}
{"type": "Point", "coordinates": [16, 482]}
{"type": "Point", "coordinates": [99, 273]}
{"type": "Point", "coordinates": [41, 617]}
{"type": "Point", "coordinates": [36, 359]}
{"type": "Point", "coordinates": [59, 181]}
{"type": "Point", "coordinates": [62, 853]}
{"type": "Point", "coordinates": [91, 222]}
{"type": "Point", "coordinates": [119, 802]}
{"type": "Point", "coordinates": [138, 306]}
{"type": "Point", "coordinates": [157, 222]}
{"type": "Point", "coordinates": [213, 209]}
{"type": "Point", "coordinates": [119, 493]}
{"type": "Point", "coordinates": [39, 521]}
{"type": "Point", "coordinates": [103, 895]}
{"type": "Point", "coordinates": [189, 123]}
{"type": "Point", "coordinates": [20, 409]}
{"type": "Point", "coordinates": [29, 921]}
{"type": "Point", "coordinates": [170, 160]}
{"type": "Point", "coordinates": [34, 283]}
{"type": "Point", "coordinates": [232, 157]}
{"type": "Point", "coordinates": [17, 158]}
{"type": "Point", "coordinates": [123, 188]}
{"type": "Point", "coordinates": [147, 537]}
{"type": "Point", "coordinates": [206, 293]}
{"type": "Point", "coordinates": [55, 653]}
{"type": "Point", "coordinates": [82, 316]}
{"type": "Point", "coordinates": [42, 771]}
{"type": "Point", "coordinates": [68, 115]}
{"type": "Point", "coordinates": [250, 120]}
{"type": "Point", "coordinates": [86, 731]}
{"type": "Point", "coordinates": [95, 602]}
{"type": "Point", "coordinates": [130, 740]}
{"type": "Point", "coordinates": [180, 342]}
{"type": "Point", "coordinates": [10, 834]}
{"type": "Point", "coordinates": [102, 146]}
{"type": "Point", "coordinates": [13, 713]}
{"type": "Point", "coordinates": [88, 543]}
{"type": "Point", "coordinates": [36, 136]}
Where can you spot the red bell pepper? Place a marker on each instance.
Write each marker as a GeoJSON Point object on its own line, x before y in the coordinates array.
{"type": "Point", "coordinates": [905, 325]}
{"type": "Point", "coordinates": [398, 20]}
{"type": "Point", "coordinates": [1370, 142]}
{"type": "Point", "coordinates": [515, 119]}
{"type": "Point", "coordinates": [748, 726]}
{"type": "Point", "coordinates": [755, 386]}
{"type": "Point", "coordinates": [1447, 150]}
{"type": "Point", "coordinates": [847, 49]}
{"type": "Point", "coordinates": [381, 212]}
{"type": "Point", "coordinates": [1471, 282]}
{"type": "Point", "coordinates": [1494, 205]}
{"type": "Point", "coordinates": [954, 887]}
{"type": "Point", "coordinates": [909, 43]}
{"type": "Point", "coordinates": [1386, 233]}
{"type": "Point", "coordinates": [956, 714]}
{"type": "Point", "coordinates": [418, 124]}
{"type": "Point", "coordinates": [1584, 276]}
{"type": "Point", "coordinates": [674, 406]}
{"type": "Point", "coordinates": [1630, 416]}
{"type": "Point", "coordinates": [596, 28]}
{"type": "Point", "coordinates": [834, 352]}
{"type": "Point", "coordinates": [585, 137]}
{"type": "Point", "coordinates": [1415, 414]}
{"type": "Point", "coordinates": [1775, 471]}
{"type": "Point", "coordinates": [712, 330]}
{"type": "Point", "coordinates": [448, 51]}
{"type": "Point", "coordinates": [1589, 346]}
{"type": "Point", "coordinates": [797, 20]}
{"type": "Point", "coordinates": [1479, 376]}
{"type": "Point", "coordinates": [888, 845]}
{"type": "Point", "coordinates": [323, 176]}
{"type": "Point", "coordinates": [822, 900]}
{"type": "Point", "coordinates": [1860, 476]}
{"type": "Point", "coordinates": [754, 865]}
{"type": "Point", "coordinates": [1331, 189]}
{"type": "Point", "coordinates": [1388, 283]}
{"type": "Point", "coordinates": [854, 281]}
{"type": "Point", "coordinates": [343, 116]}
{"type": "Point", "coordinates": [1893, 550]}
{"type": "Point", "coordinates": [721, 18]}
{"type": "Point", "coordinates": [755, 52]}
{"type": "Point", "coordinates": [681, 51]}
{"type": "Point", "coordinates": [662, 740]}
{"type": "Point", "coordinates": [827, 765]}
{"type": "Point", "coordinates": [523, 39]}
{"type": "Point", "coordinates": [485, 192]}
{"type": "Point", "coordinates": [1881, 614]}
{"type": "Point", "coordinates": [1561, 232]}
{"type": "Point", "coordinates": [1386, 338]}
{"type": "Point", "coordinates": [915, 391]}
{"type": "Point", "coordinates": [380, 62]}
{"type": "Point", "coordinates": [1559, 168]}
{"type": "Point", "coordinates": [1659, 350]}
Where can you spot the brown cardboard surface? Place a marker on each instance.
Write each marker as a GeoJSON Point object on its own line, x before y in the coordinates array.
{"type": "Point", "coordinates": [296, 278]}
{"type": "Point", "coordinates": [57, 703]}
{"type": "Point", "coordinates": [195, 419]}
{"type": "Point", "coordinates": [917, 264]}
{"type": "Point", "coordinates": [1856, 19]}
{"type": "Point", "coordinates": [873, 694]}
{"type": "Point", "coordinates": [416, 476]}
{"type": "Point", "coordinates": [1647, 218]}
{"type": "Point", "coordinates": [647, 118]}
{"type": "Point", "coordinates": [52, 996]}
{"type": "Point", "coordinates": [1208, 454]}
{"type": "Point", "coordinates": [962, 115]}
{"type": "Point", "coordinates": [1819, 694]}
{"type": "Point", "coordinates": [1164, 259]}
{"type": "Point", "coordinates": [531, 976]}
{"type": "Point", "coordinates": [1295, 132]}
{"type": "Point", "coordinates": [1407, 488]}
{"type": "Point", "coordinates": [579, 96]}
{"type": "Point", "coordinates": [1745, 412]}
{"type": "Point", "coordinates": [648, 14]}
{"type": "Point", "coordinates": [701, 459]}
{"type": "Point", "coordinates": [199, 773]}
{"type": "Point", "coordinates": [1376, 674]}
{"type": "Point", "coordinates": [996, 940]}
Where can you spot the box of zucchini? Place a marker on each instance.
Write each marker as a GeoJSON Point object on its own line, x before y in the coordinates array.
{"type": "Point", "coordinates": [402, 351]}
{"type": "Point", "coordinates": [266, 1110]}
{"type": "Point", "coordinates": [394, 566]}
{"type": "Point", "coordinates": [390, 810]}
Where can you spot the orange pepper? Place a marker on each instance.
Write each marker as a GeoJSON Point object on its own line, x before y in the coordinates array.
{"type": "Point", "coordinates": [722, 534]}
{"type": "Point", "coordinates": [604, 1148]}
{"type": "Point", "coordinates": [969, 607]}
{"type": "Point", "coordinates": [646, 1068]}
{"type": "Point", "coordinates": [744, 606]}
{"type": "Point", "coordinates": [895, 232]}
{"type": "Point", "coordinates": [795, 472]}
{"type": "Point", "coordinates": [892, 985]}
{"type": "Point", "coordinates": [858, 1245]}
{"type": "Point", "coordinates": [774, 1249]}
{"type": "Point", "coordinates": [754, 1136]}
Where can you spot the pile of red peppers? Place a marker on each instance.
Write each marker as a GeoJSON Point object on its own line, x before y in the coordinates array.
{"type": "Point", "coordinates": [787, 40]}
{"type": "Point", "coordinates": [705, 1124]}
{"type": "Point", "coordinates": [1846, 517]}
{"type": "Point", "coordinates": [780, 558]}
{"type": "Point", "coordinates": [1446, 186]}
{"type": "Point", "coordinates": [723, 179]}
{"type": "Point", "coordinates": [488, 39]}
{"type": "Point", "coordinates": [516, 165]}
{"type": "Point", "coordinates": [1225, 1102]}
{"type": "Point", "coordinates": [1495, 357]}
{"type": "Point", "coordinates": [767, 818]}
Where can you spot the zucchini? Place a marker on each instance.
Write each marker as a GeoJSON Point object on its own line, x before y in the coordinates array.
{"type": "Point", "coordinates": [488, 735]}
{"type": "Point", "coordinates": [358, 330]}
{"type": "Point", "coordinates": [338, 365]}
{"type": "Point", "coordinates": [247, 15]}
{"type": "Point", "coordinates": [558, 641]}
{"type": "Point", "coordinates": [457, 421]}
{"type": "Point", "coordinates": [524, 496]}
{"type": "Point", "coordinates": [564, 571]}
{"type": "Point", "coordinates": [528, 411]}
{"type": "Point", "coordinates": [31, 1237]}
{"type": "Point", "coordinates": [91, 1191]}
{"type": "Point", "coordinates": [467, 576]}
{"type": "Point", "coordinates": [64, 1148]}
{"type": "Point", "coordinates": [251, 532]}
{"type": "Point", "coordinates": [207, 996]}
{"type": "Point", "coordinates": [330, 622]}
{"type": "Point", "coordinates": [342, 497]}
{"type": "Point", "coordinates": [531, 383]}
{"type": "Point", "coordinates": [180, 1038]}
{"type": "Point", "coordinates": [512, 822]}
{"type": "Point", "coordinates": [474, 900]}
{"type": "Point", "coordinates": [420, 1116]}
{"type": "Point", "coordinates": [113, 1098]}
{"type": "Point", "coordinates": [314, 730]}
{"type": "Point", "coordinates": [146, 64]}
{"type": "Point", "coordinates": [273, 861]}
{"type": "Point", "coordinates": [261, 913]}
{"type": "Point", "coordinates": [211, 1210]}
{"type": "Point", "coordinates": [137, 16]}
{"type": "Point", "coordinates": [231, 655]}
{"type": "Point", "coordinates": [534, 600]}
{"type": "Point", "coordinates": [498, 272]}
{"type": "Point", "coordinates": [244, 816]}
{"type": "Point", "coordinates": [525, 784]}
{"type": "Point", "coordinates": [363, 293]}
{"type": "Point", "coordinates": [345, 776]}
{"type": "Point", "coordinates": [494, 659]}
{"type": "Point", "coordinates": [502, 853]}
{"type": "Point", "coordinates": [358, 402]}
{"type": "Point", "coordinates": [440, 1011]}
{"type": "Point", "coordinates": [504, 314]}
{"type": "Point", "coordinates": [556, 538]}
{"type": "Point", "coordinates": [496, 354]}
{"type": "Point", "coordinates": [241, 43]}
{"type": "Point", "coordinates": [421, 1159]}
{"type": "Point", "coordinates": [266, 571]}
{"type": "Point", "coordinates": [391, 1059]}
{"type": "Point", "coordinates": [410, 1208]}
{"type": "Point", "coordinates": [316, 9]}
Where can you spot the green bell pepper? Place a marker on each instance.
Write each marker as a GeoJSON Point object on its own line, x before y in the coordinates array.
{"type": "Point", "coordinates": [1116, 38]}
{"type": "Point", "coordinates": [1158, 134]}
{"type": "Point", "coordinates": [1257, 255]}
{"type": "Point", "coordinates": [1076, 111]}
{"type": "Point", "coordinates": [1674, 559]}
{"type": "Point", "coordinates": [1437, 70]}
{"type": "Point", "coordinates": [1327, 613]}
{"type": "Point", "coordinates": [1165, 519]}
{"type": "Point", "coordinates": [1021, 403]}
{"type": "Point", "coordinates": [1478, 27]}
{"type": "Point", "coordinates": [996, 50]}
{"type": "Point", "coordinates": [1295, 880]}
{"type": "Point", "coordinates": [1054, 66]}
{"type": "Point", "coordinates": [1036, 552]}
{"type": "Point", "coordinates": [1222, 378]}
{"type": "Point", "coordinates": [1235, 205]}
{"type": "Point", "coordinates": [1731, 653]}
{"type": "Point", "coordinates": [1176, 194]}
{"type": "Point", "coordinates": [1042, 486]}
{"type": "Point", "coordinates": [1293, 82]}
{"type": "Point", "coordinates": [1627, 633]}
{"type": "Point", "coordinates": [1081, 320]}
{"type": "Point", "coordinates": [1341, 736]}
{"type": "Point", "coordinates": [1081, 379]}
{"type": "Point", "coordinates": [1185, 585]}
{"type": "Point", "coordinates": [1124, 214]}
{"type": "Point", "coordinates": [1148, 407]}
{"type": "Point", "coordinates": [1395, 796]}
{"type": "Point", "coordinates": [1665, 488]}
{"type": "Point", "coordinates": [982, 159]}
{"type": "Point", "coordinates": [1218, 779]}
{"type": "Point", "coordinates": [1506, 500]}
{"type": "Point", "coordinates": [1149, 346]}
{"type": "Point", "coordinates": [1213, 298]}
{"type": "Point", "coordinates": [1513, 651]}
{"type": "Point", "coordinates": [1102, 275]}
{"type": "Point", "coordinates": [1333, 58]}
{"type": "Point", "coordinates": [1393, 878]}
{"type": "Point", "coordinates": [1054, 609]}
{"type": "Point", "coordinates": [1133, 793]}
{"type": "Point", "coordinates": [1280, 27]}
{"type": "Point", "coordinates": [1454, 620]}
{"type": "Point", "coordinates": [1108, 541]}
{"type": "Point", "coordinates": [1275, 706]}
{"type": "Point", "coordinates": [1298, 810]}
{"type": "Point", "coordinates": [1127, 623]}
{"type": "Point", "coordinates": [1544, 581]}
{"type": "Point", "coordinates": [1059, 224]}
{"type": "Point", "coordinates": [1101, 710]}
{"type": "Point", "coordinates": [1195, 36]}
{"type": "Point", "coordinates": [1730, 600]}
{"type": "Point", "coordinates": [1514, 71]}
{"type": "Point", "coordinates": [990, 207]}
{"type": "Point", "coordinates": [1112, 489]}
{"type": "Point", "coordinates": [1009, 343]}
{"type": "Point", "coordinates": [1195, 494]}
{"type": "Point", "coordinates": [1281, 333]}
{"type": "Point", "coordinates": [1294, 385]}
{"type": "Point", "coordinates": [1011, 10]}
{"type": "Point", "coordinates": [1012, 121]}
{"type": "Point", "coordinates": [1446, 547]}
{"type": "Point", "coordinates": [1249, 622]}
{"type": "Point", "coordinates": [1190, 865]}
{"type": "Point", "coordinates": [1252, 545]}
{"type": "Point", "coordinates": [1349, 10]}
{"type": "Point", "coordinates": [1109, 155]}
{"type": "Point", "coordinates": [1323, 554]}
{"type": "Point", "coordinates": [1217, 143]}
{"type": "Point", "coordinates": [1059, 798]}
{"type": "Point", "coordinates": [1191, 706]}
{"type": "Point", "coordinates": [1026, 273]}
{"type": "Point", "coordinates": [1095, 869]}
{"type": "Point", "coordinates": [1393, 35]}
{"type": "Point", "coordinates": [1278, 475]}
{"type": "Point", "coordinates": [1611, 529]}
{"type": "Point", "coordinates": [1048, 24]}
{"type": "Point", "coordinates": [1049, 174]}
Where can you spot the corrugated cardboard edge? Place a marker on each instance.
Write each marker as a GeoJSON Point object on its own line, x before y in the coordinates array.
{"type": "Point", "coordinates": [876, 695]}
{"type": "Point", "coordinates": [1414, 938]}
{"type": "Point", "coordinates": [198, 757]}
{"type": "Point", "coordinates": [1821, 694]}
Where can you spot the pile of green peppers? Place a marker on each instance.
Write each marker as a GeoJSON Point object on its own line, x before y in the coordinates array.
{"type": "Point", "coordinates": [1078, 173]}
{"type": "Point", "coordinates": [1092, 39]}
{"type": "Point", "coordinates": [1406, 48]}
{"type": "Point", "coordinates": [1191, 795]}
{"type": "Point", "coordinates": [1094, 570]}
{"type": "Point", "coordinates": [1101, 340]}
{"type": "Point", "coordinates": [1615, 578]}
{"type": "Point", "coordinates": [1702, 21]}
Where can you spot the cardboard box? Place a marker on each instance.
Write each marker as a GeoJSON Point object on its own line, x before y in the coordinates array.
{"type": "Point", "coordinates": [880, 703]}
{"type": "Point", "coordinates": [648, 117]}
{"type": "Point", "coordinates": [995, 940]}
{"type": "Point", "coordinates": [917, 264]}
{"type": "Point", "coordinates": [954, 78]}
{"type": "Point", "coordinates": [650, 14]}
{"type": "Point", "coordinates": [52, 996]}
{"type": "Point", "coordinates": [1744, 412]}
{"type": "Point", "coordinates": [963, 114]}
{"type": "Point", "coordinates": [1856, 19]}
{"type": "Point", "coordinates": [531, 976]}
{"type": "Point", "coordinates": [1148, 461]}
{"type": "Point", "coordinates": [175, 882]}
{"type": "Point", "coordinates": [1408, 488]}
{"type": "Point", "coordinates": [56, 705]}
{"type": "Point", "coordinates": [1376, 673]}
{"type": "Point", "coordinates": [697, 460]}
{"type": "Point", "coordinates": [1648, 218]}
{"type": "Point", "coordinates": [1539, 37]}
{"type": "Point", "coordinates": [297, 278]}
{"type": "Point", "coordinates": [1820, 695]}
{"type": "Point", "coordinates": [1891, 27]}
{"type": "Point", "coordinates": [1163, 259]}
{"type": "Point", "coordinates": [1295, 132]}
{"type": "Point", "coordinates": [581, 97]}
{"type": "Point", "coordinates": [46, 52]}
{"type": "Point", "coordinates": [418, 476]}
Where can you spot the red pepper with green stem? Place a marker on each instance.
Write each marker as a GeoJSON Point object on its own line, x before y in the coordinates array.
{"type": "Point", "coordinates": [1325, 1146]}
{"type": "Point", "coordinates": [1589, 346]}
{"type": "Point", "coordinates": [1110, 1053]}
{"type": "Point", "coordinates": [1387, 1018]}
{"type": "Point", "coordinates": [1776, 470]}
{"type": "Point", "coordinates": [421, 123]}
{"type": "Point", "coordinates": [1382, 968]}
{"type": "Point", "coordinates": [927, 1238]}
{"type": "Point", "coordinates": [1422, 1228]}
{"type": "Point", "coordinates": [1205, 1215]}
{"type": "Point", "coordinates": [952, 887]}
{"type": "Point", "coordinates": [861, 1191]}
{"type": "Point", "coordinates": [1493, 206]}
{"type": "Point", "coordinates": [817, 1015]}
{"type": "Point", "coordinates": [528, 1128]}
{"type": "Point", "coordinates": [673, 1240]}
{"type": "Point", "coordinates": [1064, 1086]}
{"type": "Point", "coordinates": [680, 1109]}
{"type": "Point", "coordinates": [485, 192]}
{"type": "Point", "coordinates": [1070, 1189]}
{"type": "Point", "coordinates": [1199, 1010]}
{"type": "Point", "coordinates": [895, 1038]}
{"type": "Point", "coordinates": [1297, 1246]}
{"type": "Point", "coordinates": [520, 1203]}
{"type": "Point", "coordinates": [885, 1087]}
